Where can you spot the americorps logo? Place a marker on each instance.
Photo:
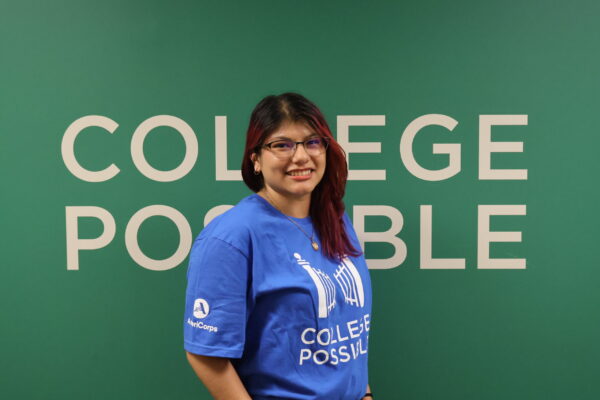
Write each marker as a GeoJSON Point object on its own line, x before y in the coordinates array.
{"type": "Point", "coordinates": [200, 325]}
{"type": "Point", "coordinates": [201, 308]}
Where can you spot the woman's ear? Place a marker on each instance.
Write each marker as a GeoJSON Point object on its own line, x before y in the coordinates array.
{"type": "Point", "coordinates": [256, 162]}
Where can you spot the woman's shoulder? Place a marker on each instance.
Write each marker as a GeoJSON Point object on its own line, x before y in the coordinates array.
{"type": "Point", "coordinates": [235, 226]}
{"type": "Point", "coordinates": [349, 226]}
{"type": "Point", "coordinates": [247, 211]}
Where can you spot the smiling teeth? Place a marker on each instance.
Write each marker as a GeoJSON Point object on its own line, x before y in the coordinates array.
{"type": "Point", "coordinates": [299, 173]}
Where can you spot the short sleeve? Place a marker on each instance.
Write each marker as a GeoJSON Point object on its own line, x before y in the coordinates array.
{"type": "Point", "coordinates": [215, 299]}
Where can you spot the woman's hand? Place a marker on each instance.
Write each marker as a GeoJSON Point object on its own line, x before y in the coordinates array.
{"type": "Point", "coordinates": [368, 391]}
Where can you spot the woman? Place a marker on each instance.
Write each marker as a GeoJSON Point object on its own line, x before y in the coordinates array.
{"type": "Point", "coordinates": [278, 301]}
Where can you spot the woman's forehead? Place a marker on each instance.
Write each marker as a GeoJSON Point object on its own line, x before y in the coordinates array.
{"type": "Point", "coordinates": [292, 131]}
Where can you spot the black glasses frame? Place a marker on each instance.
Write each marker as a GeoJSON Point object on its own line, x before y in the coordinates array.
{"type": "Point", "coordinates": [303, 143]}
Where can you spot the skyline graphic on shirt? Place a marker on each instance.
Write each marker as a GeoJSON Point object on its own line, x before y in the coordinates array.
{"type": "Point", "coordinates": [347, 278]}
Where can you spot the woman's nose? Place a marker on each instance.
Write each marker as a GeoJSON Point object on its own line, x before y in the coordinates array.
{"type": "Point", "coordinates": [300, 154]}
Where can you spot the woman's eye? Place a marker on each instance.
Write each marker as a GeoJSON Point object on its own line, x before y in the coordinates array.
{"type": "Point", "coordinates": [284, 145]}
{"type": "Point", "coordinates": [314, 142]}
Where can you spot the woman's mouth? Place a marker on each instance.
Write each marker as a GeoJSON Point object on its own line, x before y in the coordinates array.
{"type": "Point", "coordinates": [299, 172]}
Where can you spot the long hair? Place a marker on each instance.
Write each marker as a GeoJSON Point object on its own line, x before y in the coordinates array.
{"type": "Point", "coordinates": [326, 205]}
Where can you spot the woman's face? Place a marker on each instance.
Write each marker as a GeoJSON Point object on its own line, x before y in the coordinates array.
{"type": "Point", "coordinates": [296, 177]}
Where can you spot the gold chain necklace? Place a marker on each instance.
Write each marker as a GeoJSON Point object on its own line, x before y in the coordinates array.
{"type": "Point", "coordinates": [315, 245]}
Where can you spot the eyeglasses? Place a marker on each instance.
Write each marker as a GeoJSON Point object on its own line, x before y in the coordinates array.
{"type": "Point", "coordinates": [285, 148]}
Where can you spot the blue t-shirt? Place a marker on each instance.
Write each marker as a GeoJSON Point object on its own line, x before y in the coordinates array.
{"type": "Point", "coordinates": [294, 323]}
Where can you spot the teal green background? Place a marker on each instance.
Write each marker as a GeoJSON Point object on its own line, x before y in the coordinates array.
{"type": "Point", "coordinates": [113, 330]}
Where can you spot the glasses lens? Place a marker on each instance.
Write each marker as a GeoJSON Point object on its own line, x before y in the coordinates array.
{"type": "Point", "coordinates": [315, 146]}
{"type": "Point", "coordinates": [282, 147]}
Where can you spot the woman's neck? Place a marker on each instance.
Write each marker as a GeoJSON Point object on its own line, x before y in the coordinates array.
{"type": "Point", "coordinates": [292, 207]}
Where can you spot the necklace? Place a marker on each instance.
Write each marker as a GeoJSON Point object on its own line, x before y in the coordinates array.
{"type": "Point", "coordinates": [314, 244]}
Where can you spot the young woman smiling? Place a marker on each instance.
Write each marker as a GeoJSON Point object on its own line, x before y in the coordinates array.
{"type": "Point", "coordinates": [278, 302]}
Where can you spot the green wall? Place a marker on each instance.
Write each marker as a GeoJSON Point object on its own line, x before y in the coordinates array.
{"type": "Point", "coordinates": [112, 329]}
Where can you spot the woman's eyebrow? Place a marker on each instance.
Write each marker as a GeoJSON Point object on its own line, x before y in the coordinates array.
{"type": "Point", "coordinates": [282, 136]}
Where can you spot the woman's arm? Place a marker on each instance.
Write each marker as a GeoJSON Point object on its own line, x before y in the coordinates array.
{"type": "Point", "coordinates": [219, 377]}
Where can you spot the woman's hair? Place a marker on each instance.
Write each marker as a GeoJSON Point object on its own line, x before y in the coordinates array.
{"type": "Point", "coordinates": [326, 205]}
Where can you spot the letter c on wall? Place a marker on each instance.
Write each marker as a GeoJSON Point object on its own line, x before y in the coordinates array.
{"type": "Point", "coordinates": [68, 151]}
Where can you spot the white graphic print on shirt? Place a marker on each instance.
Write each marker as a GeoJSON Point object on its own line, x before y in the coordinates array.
{"type": "Point", "coordinates": [350, 282]}
{"type": "Point", "coordinates": [348, 279]}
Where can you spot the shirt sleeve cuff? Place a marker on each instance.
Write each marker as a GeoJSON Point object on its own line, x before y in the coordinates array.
{"type": "Point", "coordinates": [213, 351]}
